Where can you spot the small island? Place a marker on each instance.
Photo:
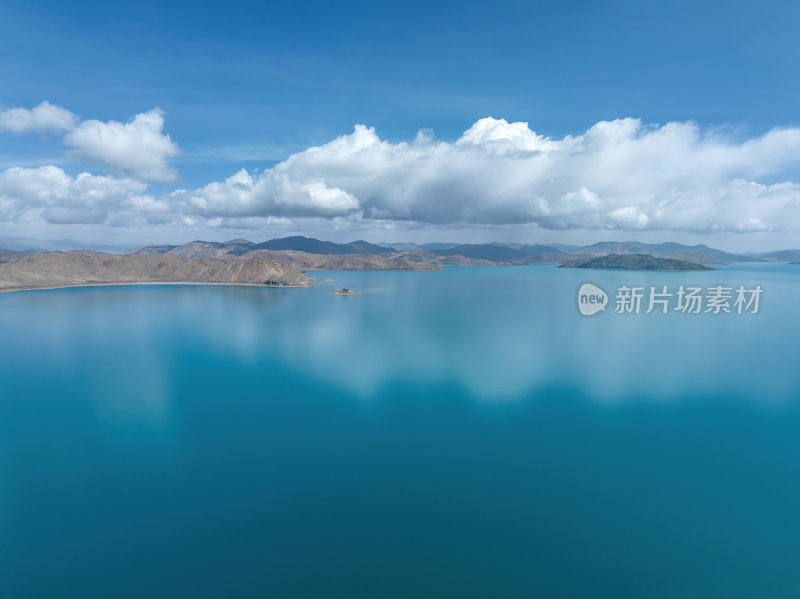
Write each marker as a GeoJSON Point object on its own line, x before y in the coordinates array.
{"type": "Point", "coordinates": [634, 262]}
{"type": "Point", "coordinates": [346, 291]}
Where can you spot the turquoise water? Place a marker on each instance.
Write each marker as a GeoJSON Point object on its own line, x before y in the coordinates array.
{"type": "Point", "coordinates": [464, 433]}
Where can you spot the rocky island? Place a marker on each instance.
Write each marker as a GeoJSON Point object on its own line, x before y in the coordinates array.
{"type": "Point", "coordinates": [633, 262]}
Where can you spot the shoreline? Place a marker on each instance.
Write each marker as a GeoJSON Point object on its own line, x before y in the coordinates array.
{"type": "Point", "coordinates": [115, 284]}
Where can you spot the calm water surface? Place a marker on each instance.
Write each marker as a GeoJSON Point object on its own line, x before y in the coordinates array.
{"type": "Point", "coordinates": [464, 433]}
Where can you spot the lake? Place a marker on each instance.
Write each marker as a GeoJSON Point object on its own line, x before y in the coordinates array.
{"type": "Point", "coordinates": [465, 433]}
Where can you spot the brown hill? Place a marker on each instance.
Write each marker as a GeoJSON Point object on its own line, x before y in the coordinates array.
{"type": "Point", "coordinates": [295, 259]}
{"type": "Point", "coordinates": [83, 268]}
{"type": "Point", "coordinates": [304, 261]}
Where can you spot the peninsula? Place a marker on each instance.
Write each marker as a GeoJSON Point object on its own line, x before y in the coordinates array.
{"type": "Point", "coordinates": [71, 269]}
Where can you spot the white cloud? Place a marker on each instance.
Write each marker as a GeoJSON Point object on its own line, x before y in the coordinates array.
{"type": "Point", "coordinates": [617, 175]}
{"type": "Point", "coordinates": [44, 117]}
{"type": "Point", "coordinates": [137, 148]}
{"type": "Point", "coordinates": [48, 194]}
{"type": "Point", "coordinates": [243, 195]}
{"type": "Point", "coordinates": [503, 136]}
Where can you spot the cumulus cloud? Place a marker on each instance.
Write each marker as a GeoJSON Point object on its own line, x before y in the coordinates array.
{"type": "Point", "coordinates": [44, 117]}
{"type": "Point", "coordinates": [48, 194]}
{"type": "Point", "coordinates": [277, 194]}
{"type": "Point", "coordinates": [619, 174]}
{"type": "Point", "coordinates": [138, 148]}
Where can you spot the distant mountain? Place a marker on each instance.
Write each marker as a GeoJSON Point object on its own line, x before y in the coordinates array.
{"type": "Point", "coordinates": [211, 249]}
{"type": "Point", "coordinates": [400, 246]}
{"type": "Point", "coordinates": [692, 257]}
{"type": "Point", "coordinates": [316, 246]}
{"type": "Point", "coordinates": [86, 268]}
{"type": "Point", "coordinates": [781, 256]}
{"type": "Point", "coordinates": [534, 250]}
{"type": "Point", "coordinates": [18, 244]}
{"type": "Point", "coordinates": [306, 261]}
{"type": "Point", "coordinates": [422, 256]}
{"type": "Point", "coordinates": [58, 245]}
{"type": "Point", "coordinates": [371, 262]}
{"type": "Point", "coordinates": [6, 255]}
{"type": "Point", "coordinates": [151, 249]}
{"type": "Point", "coordinates": [518, 253]}
{"type": "Point", "coordinates": [633, 262]}
{"type": "Point", "coordinates": [498, 253]}
{"type": "Point", "coordinates": [308, 252]}
{"type": "Point", "coordinates": [68, 245]}
{"type": "Point", "coordinates": [332, 256]}
{"type": "Point", "coordinates": [565, 247]}
{"type": "Point", "coordinates": [239, 247]}
{"type": "Point", "coordinates": [193, 249]}
{"type": "Point", "coordinates": [538, 249]}
{"type": "Point", "coordinates": [660, 250]}
{"type": "Point", "coordinates": [364, 247]}
{"type": "Point", "coordinates": [431, 247]}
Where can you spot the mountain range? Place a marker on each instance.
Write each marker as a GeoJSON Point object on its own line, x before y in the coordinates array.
{"type": "Point", "coordinates": [305, 252]}
{"type": "Point", "coordinates": [276, 262]}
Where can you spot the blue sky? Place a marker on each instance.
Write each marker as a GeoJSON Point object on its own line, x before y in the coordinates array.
{"type": "Point", "coordinates": [245, 85]}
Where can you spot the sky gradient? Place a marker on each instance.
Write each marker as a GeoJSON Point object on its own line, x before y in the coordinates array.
{"type": "Point", "coordinates": [701, 141]}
